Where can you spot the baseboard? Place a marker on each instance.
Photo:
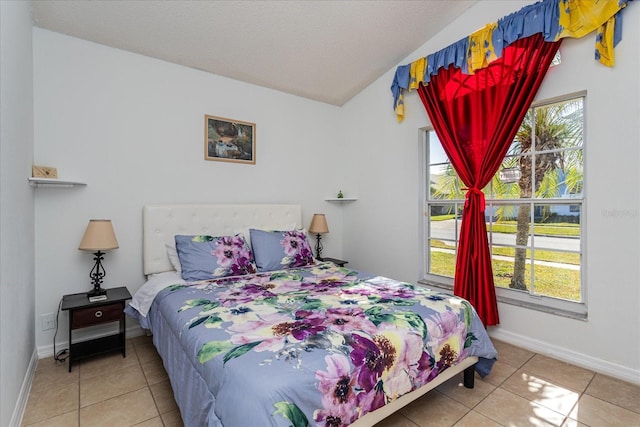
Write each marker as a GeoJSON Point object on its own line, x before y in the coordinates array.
{"type": "Point", "coordinates": [582, 360]}
{"type": "Point", "coordinates": [47, 350]}
{"type": "Point", "coordinates": [23, 397]}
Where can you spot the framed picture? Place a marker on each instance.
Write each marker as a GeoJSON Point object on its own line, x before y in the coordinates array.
{"type": "Point", "coordinates": [228, 140]}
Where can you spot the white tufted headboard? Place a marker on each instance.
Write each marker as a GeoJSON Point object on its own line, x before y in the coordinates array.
{"type": "Point", "coordinates": [162, 222]}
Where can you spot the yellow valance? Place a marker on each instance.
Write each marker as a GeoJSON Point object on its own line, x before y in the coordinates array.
{"type": "Point", "coordinates": [555, 19]}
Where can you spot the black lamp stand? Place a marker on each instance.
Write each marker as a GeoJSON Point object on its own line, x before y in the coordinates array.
{"type": "Point", "coordinates": [318, 247]}
{"type": "Point", "coordinates": [97, 274]}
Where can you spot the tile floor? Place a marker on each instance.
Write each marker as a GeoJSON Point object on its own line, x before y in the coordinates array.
{"type": "Point", "coordinates": [524, 389]}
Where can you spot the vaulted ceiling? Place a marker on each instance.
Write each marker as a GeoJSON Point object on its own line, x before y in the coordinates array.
{"type": "Point", "coordinates": [322, 50]}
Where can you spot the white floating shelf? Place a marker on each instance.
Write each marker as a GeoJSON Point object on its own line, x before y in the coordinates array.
{"type": "Point", "coordinates": [343, 199]}
{"type": "Point", "coordinates": [53, 182]}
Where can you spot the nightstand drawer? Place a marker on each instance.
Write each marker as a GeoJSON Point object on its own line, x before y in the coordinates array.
{"type": "Point", "coordinates": [96, 315]}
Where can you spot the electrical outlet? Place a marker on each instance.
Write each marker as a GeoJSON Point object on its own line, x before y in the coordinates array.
{"type": "Point", "coordinates": [48, 321]}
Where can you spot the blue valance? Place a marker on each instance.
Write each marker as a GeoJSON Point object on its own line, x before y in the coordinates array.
{"type": "Point", "coordinates": [554, 19]}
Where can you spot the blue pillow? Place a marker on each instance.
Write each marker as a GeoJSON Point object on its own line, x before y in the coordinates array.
{"type": "Point", "coordinates": [207, 257]}
{"type": "Point", "coordinates": [276, 250]}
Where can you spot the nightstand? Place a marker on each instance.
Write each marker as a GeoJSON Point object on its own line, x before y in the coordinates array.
{"type": "Point", "coordinates": [336, 261]}
{"type": "Point", "coordinates": [83, 314]}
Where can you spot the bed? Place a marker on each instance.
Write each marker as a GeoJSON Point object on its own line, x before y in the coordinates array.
{"type": "Point", "coordinates": [276, 337]}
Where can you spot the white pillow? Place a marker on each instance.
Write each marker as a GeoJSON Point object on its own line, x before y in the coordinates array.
{"type": "Point", "coordinates": [172, 252]}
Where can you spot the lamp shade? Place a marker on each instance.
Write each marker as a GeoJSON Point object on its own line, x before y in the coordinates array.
{"type": "Point", "coordinates": [318, 224]}
{"type": "Point", "coordinates": [99, 236]}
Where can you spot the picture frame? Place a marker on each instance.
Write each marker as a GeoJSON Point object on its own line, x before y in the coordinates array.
{"type": "Point", "coordinates": [229, 140]}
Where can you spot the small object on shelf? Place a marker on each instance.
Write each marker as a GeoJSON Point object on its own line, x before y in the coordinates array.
{"type": "Point", "coordinates": [44, 172]}
{"type": "Point", "coordinates": [83, 313]}
{"type": "Point", "coordinates": [340, 195]}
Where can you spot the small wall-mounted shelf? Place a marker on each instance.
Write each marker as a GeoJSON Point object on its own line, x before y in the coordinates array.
{"type": "Point", "coordinates": [343, 199]}
{"type": "Point", "coordinates": [53, 182]}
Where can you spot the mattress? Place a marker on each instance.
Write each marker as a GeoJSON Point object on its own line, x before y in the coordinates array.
{"type": "Point", "coordinates": [319, 345]}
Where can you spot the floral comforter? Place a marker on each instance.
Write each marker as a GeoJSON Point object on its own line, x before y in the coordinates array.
{"type": "Point", "coordinates": [320, 345]}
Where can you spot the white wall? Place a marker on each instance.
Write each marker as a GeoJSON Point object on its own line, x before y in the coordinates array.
{"type": "Point", "coordinates": [132, 128]}
{"type": "Point", "coordinates": [381, 229]}
{"type": "Point", "coordinates": [16, 210]}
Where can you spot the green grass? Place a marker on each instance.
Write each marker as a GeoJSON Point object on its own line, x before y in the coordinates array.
{"type": "Point", "coordinates": [443, 217]}
{"type": "Point", "coordinates": [562, 229]}
{"type": "Point", "coordinates": [541, 255]}
{"type": "Point", "coordinates": [559, 229]}
{"type": "Point", "coordinates": [549, 281]}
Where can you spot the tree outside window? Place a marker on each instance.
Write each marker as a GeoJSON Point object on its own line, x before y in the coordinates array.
{"type": "Point", "coordinates": [534, 207]}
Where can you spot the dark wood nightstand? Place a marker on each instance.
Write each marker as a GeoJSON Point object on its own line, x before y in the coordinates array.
{"type": "Point", "coordinates": [336, 261]}
{"type": "Point", "coordinates": [83, 314]}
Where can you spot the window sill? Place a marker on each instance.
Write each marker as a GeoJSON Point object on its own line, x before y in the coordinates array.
{"type": "Point", "coordinates": [436, 285]}
{"type": "Point", "coordinates": [447, 288]}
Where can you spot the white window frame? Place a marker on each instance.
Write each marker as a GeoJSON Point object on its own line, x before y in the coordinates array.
{"type": "Point", "coordinates": [572, 309]}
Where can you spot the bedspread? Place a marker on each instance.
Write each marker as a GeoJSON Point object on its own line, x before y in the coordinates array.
{"type": "Point", "coordinates": [321, 345]}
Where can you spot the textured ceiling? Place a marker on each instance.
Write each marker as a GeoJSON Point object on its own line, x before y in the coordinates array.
{"type": "Point", "coordinates": [323, 50]}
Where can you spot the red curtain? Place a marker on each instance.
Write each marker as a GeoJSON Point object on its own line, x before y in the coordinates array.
{"type": "Point", "coordinates": [476, 118]}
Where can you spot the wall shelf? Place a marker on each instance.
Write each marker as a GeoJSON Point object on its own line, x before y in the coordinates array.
{"type": "Point", "coordinates": [53, 182]}
{"type": "Point", "coordinates": [343, 199]}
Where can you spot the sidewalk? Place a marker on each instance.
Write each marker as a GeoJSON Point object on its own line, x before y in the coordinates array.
{"type": "Point", "coordinates": [510, 259]}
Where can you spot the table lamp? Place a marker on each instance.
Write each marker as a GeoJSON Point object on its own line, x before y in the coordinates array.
{"type": "Point", "coordinates": [318, 227]}
{"type": "Point", "coordinates": [98, 237]}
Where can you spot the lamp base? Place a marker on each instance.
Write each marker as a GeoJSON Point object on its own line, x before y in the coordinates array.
{"type": "Point", "coordinates": [318, 247]}
{"type": "Point", "coordinates": [97, 291]}
{"type": "Point", "coordinates": [97, 274]}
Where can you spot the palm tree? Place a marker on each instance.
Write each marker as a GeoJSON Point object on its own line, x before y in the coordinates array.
{"type": "Point", "coordinates": [552, 128]}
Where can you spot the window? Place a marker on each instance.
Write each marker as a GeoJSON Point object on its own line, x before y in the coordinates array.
{"type": "Point", "coordinates": [533, 213]}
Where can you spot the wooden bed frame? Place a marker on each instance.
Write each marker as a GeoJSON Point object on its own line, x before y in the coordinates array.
{"type": "Point", "coordinates": [162, 222]}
